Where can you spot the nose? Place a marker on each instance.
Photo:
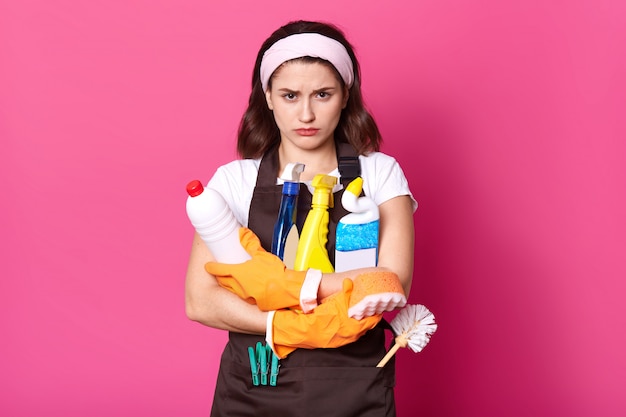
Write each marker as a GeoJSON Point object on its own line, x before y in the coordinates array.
{"type": "Point", "coordinates": [307, 115]}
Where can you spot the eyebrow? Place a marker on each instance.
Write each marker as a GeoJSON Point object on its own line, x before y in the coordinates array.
{"type": "Point", "coordinates": [318, 90]}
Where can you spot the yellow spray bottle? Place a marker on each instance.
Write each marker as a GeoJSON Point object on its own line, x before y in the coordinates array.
{"type": "Point", "coordinates": [312, 252]}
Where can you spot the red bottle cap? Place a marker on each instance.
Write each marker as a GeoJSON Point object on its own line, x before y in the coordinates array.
{"type": "Point", "coordinates": [195, 188]}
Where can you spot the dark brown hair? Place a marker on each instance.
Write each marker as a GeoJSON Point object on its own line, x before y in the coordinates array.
{"type": "Point", "coordinates": [258, 131]}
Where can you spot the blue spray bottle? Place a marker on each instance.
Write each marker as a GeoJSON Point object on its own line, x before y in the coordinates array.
{"type": "Point", "coordinates": [285, 238]}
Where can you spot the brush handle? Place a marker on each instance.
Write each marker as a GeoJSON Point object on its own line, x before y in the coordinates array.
{"type": "Point", "coordinates": [401, 341]}
{"type": "Point", "coordinates": [389, 355]}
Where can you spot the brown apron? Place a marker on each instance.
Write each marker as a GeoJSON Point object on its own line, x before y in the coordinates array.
{"type": "Point", "coordinates": [340, 382]}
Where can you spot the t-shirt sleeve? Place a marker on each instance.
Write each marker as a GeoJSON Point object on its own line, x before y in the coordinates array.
{"type": "Point", "coordinates": [384, 179]}
{"type": "Point", "coordinates": [235, 182]}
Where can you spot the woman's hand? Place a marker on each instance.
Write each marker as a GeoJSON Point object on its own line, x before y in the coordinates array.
{"type": "Point", "coordinates": [264, 280]}
{"type": "Point", "coordinates": [328, 326]}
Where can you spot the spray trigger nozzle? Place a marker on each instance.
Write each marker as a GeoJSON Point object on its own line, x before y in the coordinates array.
{"type": "Point", "coordinates": [292, 172]}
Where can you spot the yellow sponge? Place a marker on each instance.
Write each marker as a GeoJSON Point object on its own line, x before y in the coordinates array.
{"type": "Point", "coordinates": [374, 293]}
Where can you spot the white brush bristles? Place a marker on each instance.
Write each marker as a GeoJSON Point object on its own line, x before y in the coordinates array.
{"type": "Point", "coordinates": [416, 324]}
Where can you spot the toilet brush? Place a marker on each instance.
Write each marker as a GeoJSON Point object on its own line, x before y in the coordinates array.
{"type": "Point", "coordinates": [413, 325]}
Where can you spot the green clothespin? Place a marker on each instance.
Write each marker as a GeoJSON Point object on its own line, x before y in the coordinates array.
{"type": "Point", "coordinates": [254, 366]}
{"type": "Point", "coordinates": [273, 368]}
{"type": "Point", "coordinates": [262, 358]}
{"type": "Point", "coordinates": [263, 361]}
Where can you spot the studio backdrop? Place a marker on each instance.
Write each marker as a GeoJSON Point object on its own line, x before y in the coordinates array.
{"type": "Point", "coordinates": [507, 117]}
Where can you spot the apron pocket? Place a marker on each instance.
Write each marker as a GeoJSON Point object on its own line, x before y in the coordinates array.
{"type": "Point", "coordinates": [311, 392]}
{"type": "Point", "coordinates": [341, 391]}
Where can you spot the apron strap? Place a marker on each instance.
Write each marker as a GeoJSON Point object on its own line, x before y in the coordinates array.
{"type": "Point", "coordinates": [347, 163]}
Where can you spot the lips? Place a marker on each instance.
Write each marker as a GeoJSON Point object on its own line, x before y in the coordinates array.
{"type": "Point", "coordinates": [307, 132]}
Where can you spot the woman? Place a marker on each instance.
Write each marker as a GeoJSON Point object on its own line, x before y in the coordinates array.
{"type": "Point", "coordinates": [305, 106]}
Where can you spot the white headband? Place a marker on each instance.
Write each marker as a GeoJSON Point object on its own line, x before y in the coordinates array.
{"type": "Point", "coordinates": [307, 44]}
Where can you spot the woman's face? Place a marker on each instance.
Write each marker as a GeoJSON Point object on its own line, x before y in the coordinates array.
{"type": "Point", "coordinates": [307, 99]}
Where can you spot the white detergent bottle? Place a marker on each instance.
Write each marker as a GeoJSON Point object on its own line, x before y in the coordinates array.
{"type": "Point", "coordinates": [215, 223]}
{"type": "Point", "coordinates": [356, 243]}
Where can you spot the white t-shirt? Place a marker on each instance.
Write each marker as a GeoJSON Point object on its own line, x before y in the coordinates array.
{"type": "Point", "coordinates": [383, 179]}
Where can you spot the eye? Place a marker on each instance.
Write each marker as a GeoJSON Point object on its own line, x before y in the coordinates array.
{"type": "Point", "coordinates": [289, 96]}
{"type": "Point", "coordinates": [323, 94]}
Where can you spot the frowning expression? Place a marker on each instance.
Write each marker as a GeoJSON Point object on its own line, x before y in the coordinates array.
{"type": "Point", "coordinates": [307, 99]}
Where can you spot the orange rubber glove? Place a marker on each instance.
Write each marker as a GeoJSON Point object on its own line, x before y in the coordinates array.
{"type": "Point", "coordinates": [328, 326]}
{"type": "Point", "coordinates": [264, 280]}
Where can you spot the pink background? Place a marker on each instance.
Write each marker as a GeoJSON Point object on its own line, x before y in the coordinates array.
{"type": "Point", "coordinates": [508, 118]}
